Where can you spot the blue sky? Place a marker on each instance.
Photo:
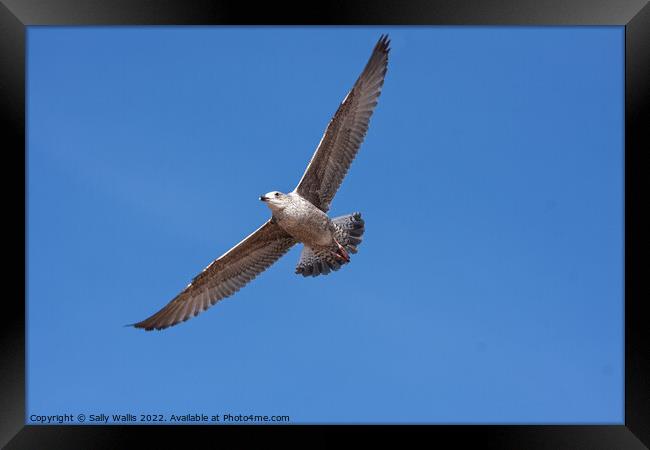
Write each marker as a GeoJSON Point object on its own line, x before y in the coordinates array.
{"type": "Point", "coordinates": [488, 288]}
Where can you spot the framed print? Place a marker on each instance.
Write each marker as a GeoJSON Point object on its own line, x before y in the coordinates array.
{"type": "Point", "coordinates": [421, 218]}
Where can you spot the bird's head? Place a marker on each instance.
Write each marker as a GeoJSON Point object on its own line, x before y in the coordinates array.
{"type": "Point", "coordinates": [275, 200]}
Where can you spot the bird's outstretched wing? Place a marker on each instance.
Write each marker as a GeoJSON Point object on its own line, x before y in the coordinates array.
{"type": "Point", "coordinates": [224, 276]}
{"type": "Point", "coordinates": [345, 132]}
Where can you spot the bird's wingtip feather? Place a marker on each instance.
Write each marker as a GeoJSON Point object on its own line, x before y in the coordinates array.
{"type": "Point", "coordinates": [384, 43]}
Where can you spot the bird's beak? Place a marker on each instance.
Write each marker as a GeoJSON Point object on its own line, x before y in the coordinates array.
{"type": "Point", "coordinates": [263, 198]}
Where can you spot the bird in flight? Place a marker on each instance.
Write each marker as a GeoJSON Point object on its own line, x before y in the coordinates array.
{"type": "Point", "coordinates": [299, 216]}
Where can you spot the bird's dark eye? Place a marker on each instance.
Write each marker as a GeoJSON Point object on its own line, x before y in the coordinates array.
{"type": "Point", "coordinates": [277, 194]}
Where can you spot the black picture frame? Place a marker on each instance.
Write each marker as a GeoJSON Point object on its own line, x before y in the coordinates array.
{"type": "Point", "coordinates": [16, 15]}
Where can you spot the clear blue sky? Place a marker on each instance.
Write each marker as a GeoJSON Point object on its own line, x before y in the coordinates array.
{"type": "Point", "coordinates": [488, 288]}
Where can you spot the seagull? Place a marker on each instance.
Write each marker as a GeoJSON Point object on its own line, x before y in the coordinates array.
{"type": "Point", "coordinates": [299, 216]}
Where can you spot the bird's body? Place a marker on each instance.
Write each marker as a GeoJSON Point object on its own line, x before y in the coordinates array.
{"type": "Point", "coordinates": [326, 242]}
{"type": "Point", "coordinates": [297, 217]}
{"type": "Point", "coordinates": [302, 220]}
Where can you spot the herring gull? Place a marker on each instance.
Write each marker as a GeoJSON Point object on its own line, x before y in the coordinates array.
{"type": "Point", "coordinates": [299, 216]}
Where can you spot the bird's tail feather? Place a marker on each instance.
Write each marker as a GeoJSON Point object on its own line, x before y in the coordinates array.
{"type": "Point", "coordinates": [349, 232]}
